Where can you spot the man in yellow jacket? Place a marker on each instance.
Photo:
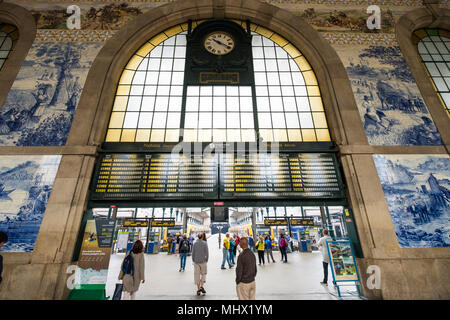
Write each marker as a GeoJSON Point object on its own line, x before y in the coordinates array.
{"type": "Point", "coordinates": [260, 247]}
{"type": "Point", "coordinates": [225, 248]}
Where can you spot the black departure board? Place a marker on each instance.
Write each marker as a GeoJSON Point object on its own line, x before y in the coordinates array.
{"type": "Point", "coordinates": [218, 176]}
{"type": "Point", "coordinates": [155, 176]}
{"type": "Point", "coordinates": [279, 176]}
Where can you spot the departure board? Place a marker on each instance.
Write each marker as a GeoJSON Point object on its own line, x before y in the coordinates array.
{"type": "Point", "coordinates": [279, 176]}
{"type": "Point", "coordinates": [247, 176]}
{"type": "Point", "coordinates": [155, 176]}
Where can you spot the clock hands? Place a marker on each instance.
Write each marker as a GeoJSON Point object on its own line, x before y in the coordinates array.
{"type": "Point", "coordinates": [221, 43]}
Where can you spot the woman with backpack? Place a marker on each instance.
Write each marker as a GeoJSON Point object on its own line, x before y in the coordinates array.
{"type": "Point", "coordinates": [184, 250]}
{"type": "Point", "coordinates": [132, 271]}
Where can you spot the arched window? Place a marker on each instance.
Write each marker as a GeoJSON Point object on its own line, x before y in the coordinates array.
{"type": "Point", "coordinates": [434, 49]}
{"type": "Point", "coordinates": [153, 103]}
{"type": "Point", "coordinates": [8, 36]}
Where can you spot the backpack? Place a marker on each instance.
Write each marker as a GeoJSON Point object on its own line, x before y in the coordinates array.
{"type": "Point", "coordinates": [184, 246]}
{"type": "Point", "coordinates": [128, 265]}
{"type": "Point", "coordinates": [232, 244]}
{"type": "Point", "coordinates": [283, 242]}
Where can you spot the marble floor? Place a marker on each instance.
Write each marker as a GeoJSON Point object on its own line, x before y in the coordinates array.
{"type": "Point", "coordinates": [299, 279]}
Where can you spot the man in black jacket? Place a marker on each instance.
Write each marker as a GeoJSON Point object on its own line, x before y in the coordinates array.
{"type": "Point", "coordinates": [3, 240]}
{"type": "Point", "coordinates": [246, 272]}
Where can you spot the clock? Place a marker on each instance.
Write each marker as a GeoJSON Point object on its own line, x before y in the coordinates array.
{"type": "Point", "coordinates": [219, 43]}
{"type": "Point", "coordinates": [219, 52]}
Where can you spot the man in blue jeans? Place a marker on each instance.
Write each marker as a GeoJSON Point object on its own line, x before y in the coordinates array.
{"type": "Point", "coordinates": [322, 244]}
{"type": "Point", "coordinates": [184, 249]}
{"type": "Point", "coordinates": [225, 249]}
{"type": "Point", "coordinates": [231, 250]}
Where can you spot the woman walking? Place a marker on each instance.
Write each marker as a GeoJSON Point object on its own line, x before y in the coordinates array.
{"type": "Point", "coordinates": [260, 247]}
{"type": "Point", "coordinates": [200, 255]}
{"type": "Point", "coordinates": [132, 271]}
{"type": "Point", "coordinates": [268, 247]}
{"type": "Point", "coordinates": [184, 250]}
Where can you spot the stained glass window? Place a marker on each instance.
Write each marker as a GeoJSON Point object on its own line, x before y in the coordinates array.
{"type": "Point", "coordinates": [152, 102]}
{"type": "Point", "coordinates": [8, 36]}
{"type": "Point", "coordinates": [434, 49]}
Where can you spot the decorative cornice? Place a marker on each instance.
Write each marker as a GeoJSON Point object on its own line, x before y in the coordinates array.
{"type": "Point", "coordinates": [63, 35]}
{"type": "Point", "coordinates": [345, 38]}
{"type": "Point", "coordinates": [397, 3]}
{"type": "Point", "coordinates": [334, 38]}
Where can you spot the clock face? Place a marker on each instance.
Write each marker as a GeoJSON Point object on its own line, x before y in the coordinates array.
{"type": "Point", "coordinates": [219, 43]}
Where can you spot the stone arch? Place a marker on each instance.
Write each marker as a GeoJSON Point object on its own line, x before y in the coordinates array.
{"type": "Point", "coordinates": [26, 25]}
{"type": "Point", "coordinates": [93, 112]}
{"type": "Point", "coordinates": [431, 17]}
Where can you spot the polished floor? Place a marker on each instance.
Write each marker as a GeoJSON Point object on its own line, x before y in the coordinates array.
{"type": "Point", "coordinates": [299, 279]}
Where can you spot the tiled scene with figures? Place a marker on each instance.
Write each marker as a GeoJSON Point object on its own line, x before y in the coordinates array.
{"type": "Point", "coordinates": [25, 186]}
{"type": "Point", "coordinates": [324, 130]}
{"type": "Point", "coordinates": [41, 104]}
{"type": "Point", "coordinates": [390, 104]}
{"type": "Point", "coordinates": [417, 190]}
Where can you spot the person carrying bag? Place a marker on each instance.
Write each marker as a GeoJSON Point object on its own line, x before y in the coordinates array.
{"type": "Point", "coordinates": [132, 271]}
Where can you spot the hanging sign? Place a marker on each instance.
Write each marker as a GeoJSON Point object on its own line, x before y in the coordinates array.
{"type": "Point", "coordinates": [135, 223]}
{"type": "Point", "coordinates": [302, 222]}
{"type": "Point", "coordinates": [275, 222]}
{"type": "Point", "coordinates": [163, 223]}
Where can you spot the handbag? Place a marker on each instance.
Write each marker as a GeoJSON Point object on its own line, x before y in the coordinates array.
{"type": "Point", "coordinates": [118, 292]}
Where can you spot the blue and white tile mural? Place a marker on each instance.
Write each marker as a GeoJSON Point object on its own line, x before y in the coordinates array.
{"type": "Point", "coordinates": [25, 186]}
{"type": "Point", "coordinates": [417, 190]}
{"type": "Point", "coordinates": [389, 102]}
{"type": "Point", "coordinates": [41, 103]}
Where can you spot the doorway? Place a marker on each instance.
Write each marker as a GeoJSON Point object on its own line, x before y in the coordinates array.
{"type": "Point", "coordinates": [163, 266]}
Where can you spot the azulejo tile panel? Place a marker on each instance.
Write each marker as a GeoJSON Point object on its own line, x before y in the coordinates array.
{"type": "Point", "coordinates": [417, 191]}
{"type": "Point", "coordinates": [390, 105]}
{"type": "Point", "coordinates": [41, 104]}
{"type": "Point", "coordinates": [25, 186]}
